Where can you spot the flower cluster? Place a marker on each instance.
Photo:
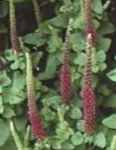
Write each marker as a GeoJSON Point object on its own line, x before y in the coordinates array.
{"type": "Point", "coordinates": [87, 93]}
{"type": "Point", "coordinates": [34, 117]}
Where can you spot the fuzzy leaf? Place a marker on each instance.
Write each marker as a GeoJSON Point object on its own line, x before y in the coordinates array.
{"type": "Point", "coordinates": [77, 139]}
{"type": "Point", "coordinates": [101, 56]}
{"type": "Point", "coordinates": [97, 6]}
{"type": "Point", "coordinates": [75, 113]}
{"type": "Point", "coordinates": [100, 140]}
{"type": "Point", "coordinates": [34, 39]}
{"type": "Point", "coordinates": [51, 67]}
{"type": "Point", "coordinates": [112, 75]}
{"type": "Point", "coordinates": [103, 44]}
{"type": "Point", "coordinates": [110, 121]}
{"type": "Point", "coordinates": [59, 21]}
{"type": "Point", "coordinates": [80, 59]}
{"type": "Point", "coordinates": [77, 41]}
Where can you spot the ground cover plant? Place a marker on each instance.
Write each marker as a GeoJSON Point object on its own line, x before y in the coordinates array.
{"type": "Point", "coordinates": [57, 75]}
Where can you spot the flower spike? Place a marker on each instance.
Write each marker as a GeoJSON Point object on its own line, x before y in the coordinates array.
{"type": "Point", "coordinates": [34, 117]}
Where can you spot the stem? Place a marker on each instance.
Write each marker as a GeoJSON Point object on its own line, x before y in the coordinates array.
{"type": "Point", "coordinates": [36, 11]}
{"type": "Point", "coordinates": [13, 31]}
{"type": "Point", "coordinates": [60, 115]}
{"type": "Point", "coordinates": [88, 12]}
{"type": "Point", "coordinates": [82, 7]}
{"type": "Point", "coordinates": [88, 72]}
{"type": "Point", "coordinates": [30, 84]}
{"type": "Point", "coordinates": [106, 5]}
{"type": "Point", "coordinates": [67, 36]}
{"type": "Point", "coordinates": [26, 138]}
{"type": "Point", "coordinates": [113, 143]}
{"type": "Point", "coordinates": [15, 136]}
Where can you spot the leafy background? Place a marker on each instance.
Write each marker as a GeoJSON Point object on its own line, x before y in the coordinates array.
{"type": "Point", "coordinates": [64, 124]}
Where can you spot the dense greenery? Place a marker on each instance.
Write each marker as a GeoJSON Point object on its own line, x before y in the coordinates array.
{"type": "Point", "coordinates": [63, 123]}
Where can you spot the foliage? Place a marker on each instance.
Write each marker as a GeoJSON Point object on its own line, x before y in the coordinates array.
{"type": "Point", "coordinates": [64, 124]}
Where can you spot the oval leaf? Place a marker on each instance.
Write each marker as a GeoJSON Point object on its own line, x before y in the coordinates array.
{"type": "Point", "coordinates": [110, 121]}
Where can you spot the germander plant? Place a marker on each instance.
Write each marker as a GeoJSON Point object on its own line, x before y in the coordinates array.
{"type": "Point", "coordinates": [83, 55]}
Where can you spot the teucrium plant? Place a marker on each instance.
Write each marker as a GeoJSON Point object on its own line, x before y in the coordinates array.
{"type": "Point", "coordinates": [34, 116]}
{"type": "Point", "coordinates": [65, 72]}
{"type": "Point", "coordinates": [88, 95]}
{"type": "Point", "coordinates": [67, 132]}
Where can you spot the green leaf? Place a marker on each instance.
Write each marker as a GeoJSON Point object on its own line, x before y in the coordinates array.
{"type": "Point", "coordinates": [4, 132]}
{"type": "Point", "coordinates": [103, 44]}
{"type": "Point", "coordinates": [67, 146]}
{"type": "Point", "coordinates": [112, 75]}
{"type": "Point", "coordinates": [60, 21]}
{"type": "Point", "coordinates": [79, 22]}
{"type": "Point", "coordinates": [101, 56]}
{"type": "Point", "coordinates": [51, 67]}
{"type": "Point", "coordinates": [17, 61]}
{"type": "Point", "coordinates": [4, 79]}
{"type": "Point", "coordinates": [54, 42]}
{"type": "Point", "coordinates": [100, 140]}
{"type": "Point", "coordinates": [20, 123]}
{"type": "Point", "coordinates": [77, 139]}
{"type": "Point", "coordinates": [14, 93]}
{"type": "Point", "coordinates": [80, 59]}
{"type": "Point", "coordinates": [34, 39]}
{"type": "Point", "coordinates": [106, 28]}
{"type": "Point", "coordinates": [48, 114]}
{"type": "Point", "coordinates": [96, 23]}
{"type": "Point", "coordinates": [19, 80]}
{"type": "Point", "coordinates": [80, 125]}
{"type": "Point", "coordinates": [97, 7]}
{"type": "Point", "coordinates": [9, 145]}
{"type": "Point", "coordinates": [110, 121]}
{"type": "Point", "coordinates": [75, 113]}
{"type": "Point", "coordinates": [88, 139]}
{"type": "Point", "coordinates": [14, 96]}
{"type": "Point", "coordinates": [102, 66]}
{"type": "Point", "coordinates": [56, 144]}
{"type": "Point", "coordinates": [63, 131]}
{"type": "Point", "coordinates": [77, 41]}
{"type": "Point", "coordinates": [9, 112]}
{"type": "Point", "coordinates": [52, 101]}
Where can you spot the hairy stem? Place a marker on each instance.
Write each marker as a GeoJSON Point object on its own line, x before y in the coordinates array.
{"type": "Point", "coordinates": [13, 31]}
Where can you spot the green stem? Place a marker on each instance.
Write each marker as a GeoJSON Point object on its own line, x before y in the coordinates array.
{"type": "Point", "coordinates": [82, 8]}
{"type": "Point", "coordinates": [37, 11]}
{"type": "Point", "coordinates": [106, 5]}
{"type": "Point", "coordinates": [113, 143]}
{"type": "Point", "coordinates": [60, 115]}
{"type": "Point", "coordinates": [26, 138]}
{"type": "Point", "coordinates": [15, 136]}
